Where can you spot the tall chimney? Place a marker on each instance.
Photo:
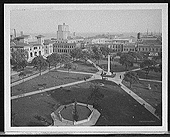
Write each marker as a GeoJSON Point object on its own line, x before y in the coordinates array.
{"type": "Point", "coordinates": [15, 35]}
{"type": "Point", "coordinates": [138, 35]}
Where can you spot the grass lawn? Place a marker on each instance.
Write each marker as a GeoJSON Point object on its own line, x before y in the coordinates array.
{"type": "Point", "coordinates": [29, 71]}
{"type": "Point", "coordinates": [116, 107]}
{"type": "Point", "coordinates": [152, 96]}
{"type": "Point", "coordinates": [152, 75]}
{"type": "Point", "coordinates": [51, 79]}
{"type": "Point", "coordinates": [82, 67]}
{"type": "Point", "coordinates": [116, 67]}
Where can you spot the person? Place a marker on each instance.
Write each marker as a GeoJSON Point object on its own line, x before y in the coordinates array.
{"type": "Point", "coordinates": [120, 76]}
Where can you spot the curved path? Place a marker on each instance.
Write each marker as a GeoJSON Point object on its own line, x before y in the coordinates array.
{"type": "Point", "coordinates": [117, 79]}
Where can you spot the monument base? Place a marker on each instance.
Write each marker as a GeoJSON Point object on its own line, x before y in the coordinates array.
{"type": "Point", "coordinates": [109, 73]}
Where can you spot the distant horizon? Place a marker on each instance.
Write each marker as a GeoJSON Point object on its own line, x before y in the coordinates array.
{"type": "Point", "coordinates": [87, 21]}
{"type": "Point", "coordinates": [90, 33]}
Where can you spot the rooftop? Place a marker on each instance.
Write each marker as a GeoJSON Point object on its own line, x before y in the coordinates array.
{"type": "Point", "coordinates": [39, 36]}
{"type": "Point", "coordinates": [22, 37]}
{"type": "Point", "coordinates": [150, 42]}
{"type": "Point", "coordinates": [48, 41]}
{"type": "Point", "coordinates": [18, 44]}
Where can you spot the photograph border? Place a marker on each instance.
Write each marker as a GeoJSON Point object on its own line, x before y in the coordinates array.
{"type": "Point", "coordinates": [93, 129]}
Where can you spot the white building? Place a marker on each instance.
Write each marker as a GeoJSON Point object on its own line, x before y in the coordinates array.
{"type": "Point", "coordinates": [48, 47]}
{"type": "Point", "coordinates": [36, 48]}
{"type": "Point", "coordinates": [99, 41]}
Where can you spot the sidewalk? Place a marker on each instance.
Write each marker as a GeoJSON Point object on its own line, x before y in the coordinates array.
{"type": "Point", "coordinates": [32, 76]}
{"type": "Point", "coordinates": [118, 81]}
{"type": "Point", "coordinates": [140, 100]}
{"type": "Point", "coordinates": [51, 88]}
{"type": "Point", "coordinates": [150, 80]}
{"type": "Point", "coordinates": [86, 73]}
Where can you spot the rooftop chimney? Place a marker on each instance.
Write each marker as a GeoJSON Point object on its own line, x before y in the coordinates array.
{"type": "Point", "coordinates": [138, 35]}
{"type": "Point", "coordinates": [15, 35]}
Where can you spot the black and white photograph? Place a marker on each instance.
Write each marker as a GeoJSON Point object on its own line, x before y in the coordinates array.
{"type": "Point", "coordinates": [86, 68]}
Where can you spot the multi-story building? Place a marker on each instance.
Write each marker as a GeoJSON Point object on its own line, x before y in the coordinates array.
{"type": "Point", "coordinates": [65, 47]}
{"type": "Point", "coordinates": [129, 47]}
{"type": "Point", "coordinates": [48, 47]}
{"type": "Point", "coordinates": [149, 43]}
{"type": "Point", "coordinates": [35, 48]}
{"type": "Point", "coordinates": [99, 41]}
{"type": "Point", "coordinates": [63, 32]}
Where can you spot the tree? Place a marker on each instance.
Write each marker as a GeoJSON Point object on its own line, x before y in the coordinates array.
{"type": "Point", "coordinates": [68, 65]}
{"type": "Point", "coordinates": [144, 55]}
{"type": "Point", "coordinates": [75, 53]}
{"type": "Point", "coordinates": [106, 50]}
{"type": "Point", "coordinates": [22, 74]}
{"type": "Point", "coordinates": [39, 62]}
{"type": "Point", "coordinates": [135, 55]}
{"type": "Point", "coordinates": [127, 60]}
{"type": "Point", "coordinates": [158, 58]}
{"type": "Point", "coordinates": [85, 55]}
{"type": "Point", "coordinates": [119, 54]}
{"type": "Point", "coordinates": [131, 77]}
{"type": "Point", "coordinates": [64, 58]}
{"type": "Point", "coordinates": [53, 59]}
{"type": "Point", "coordinates": [19, 59]}
{"type": "Point", "coordinates": [97, 55]}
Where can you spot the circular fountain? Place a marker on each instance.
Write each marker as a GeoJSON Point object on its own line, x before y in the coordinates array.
{"type": "Point", "coordinates": [75, 114]}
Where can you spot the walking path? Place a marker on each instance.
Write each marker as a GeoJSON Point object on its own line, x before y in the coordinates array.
{"type": "Point", "coordinates": [150, 80]}
{"type": "Point", "coordinates": [117, 79]}
{"type": "Point", "coordinates": [51, 88]}
{"type": "Point", "coordinates": [77, 72]}
{"type": "Point", "coordinates": [33, 76]}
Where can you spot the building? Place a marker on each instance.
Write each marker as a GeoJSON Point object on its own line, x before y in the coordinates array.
{"type": "Point", "coordinates": [35, 48]}
{"type": "Point", "coordinates": [64, 47]}
{"type": "Point", "coordinates": [99, 41]}
{"type": "Point", "coordinates": [48, 47]}
{"type": "Point", "coordinates": [149, 43]}
{"type": "Point", "coordinates": [63, 32]}
{"type": "Point", "coordinates": [129, 47]}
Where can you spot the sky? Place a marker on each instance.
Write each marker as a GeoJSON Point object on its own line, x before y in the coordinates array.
{"type": "Point", "coordinates": [86, 21]}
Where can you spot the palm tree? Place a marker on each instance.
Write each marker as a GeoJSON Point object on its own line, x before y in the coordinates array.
{"type": "Point", "coordinates": [39, 62]}
{"type": "Point", "coordinates": [131, 77]}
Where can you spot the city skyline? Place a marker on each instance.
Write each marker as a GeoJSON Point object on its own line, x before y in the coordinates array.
{"type": "Point", "coordinates": [87, 21]}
